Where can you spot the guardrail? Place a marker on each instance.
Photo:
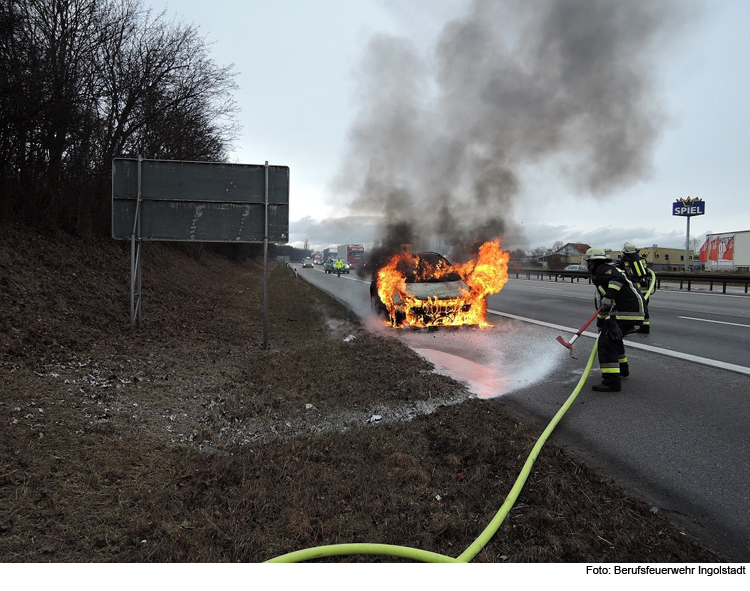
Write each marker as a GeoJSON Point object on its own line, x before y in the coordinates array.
{"type": "Point", "coordinates": [686, 280]}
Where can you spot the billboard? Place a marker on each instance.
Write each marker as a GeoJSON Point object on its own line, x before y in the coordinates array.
{"type": "Point", "coordinates": [688, 206]}
{"type": "Point", "coordinates": [703, 255]}
{"type": "Point", "coordinates": [722, 248]}
{"type": "Point", "coordinates": [718, 248]}
{"type": "Point", "coordinates": [199, 201]}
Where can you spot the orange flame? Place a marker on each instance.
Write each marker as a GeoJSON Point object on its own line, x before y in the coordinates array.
{"type": "Point", "coordinates": [484, 275]}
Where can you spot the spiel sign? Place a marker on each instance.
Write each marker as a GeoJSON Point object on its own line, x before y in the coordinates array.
{"type": "Point", "coordinates": [689, 206]}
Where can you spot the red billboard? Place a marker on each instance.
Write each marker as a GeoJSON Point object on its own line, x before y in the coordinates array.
{"type": "Point", "coordinates": [726, 248]}
{"type": "Point", "coordinates": [703, 255]}
{"type": "Point", "coordinates": [713, 254]}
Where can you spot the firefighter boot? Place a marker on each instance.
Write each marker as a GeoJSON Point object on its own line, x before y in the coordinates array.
{"type": "Point", "coordinates": [610, 383]}
{"type": "Point", "coordinates": [645, 329]}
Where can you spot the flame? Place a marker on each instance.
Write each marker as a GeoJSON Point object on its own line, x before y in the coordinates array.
{"type": "Point", "coordinates": [485, 274]}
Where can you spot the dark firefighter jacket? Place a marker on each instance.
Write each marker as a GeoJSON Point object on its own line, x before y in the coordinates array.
{"type": "Point", "coordinates": [636, 269]}
{"type": "Point", "coordinates": [612, 282]}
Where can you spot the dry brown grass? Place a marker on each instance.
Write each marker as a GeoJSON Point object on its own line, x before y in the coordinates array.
{"type": "Point", "coordinates": [186, 442]}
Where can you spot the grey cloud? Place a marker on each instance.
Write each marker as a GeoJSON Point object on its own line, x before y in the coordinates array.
{"type": "Point", "coordinates": [606, 237]}
{"type": "Point", "coordinates": [321, 234]}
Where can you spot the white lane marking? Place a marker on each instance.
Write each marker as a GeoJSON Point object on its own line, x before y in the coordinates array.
{"type": "Point", "coordinates": [677, 355]}
{"type": "Point", "coordinates": [715, 321]}
{"type": "Point", "coordinates": [686, 356]}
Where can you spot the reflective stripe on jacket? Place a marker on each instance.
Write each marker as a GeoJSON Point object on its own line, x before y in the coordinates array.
{"type": "Point", "coordinates": [637, 270]}
{"type": "Point", "coordinates": [613, 283]}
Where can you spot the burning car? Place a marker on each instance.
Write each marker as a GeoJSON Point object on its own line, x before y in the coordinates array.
{"type": "Point", "coordinates": [425, 289]}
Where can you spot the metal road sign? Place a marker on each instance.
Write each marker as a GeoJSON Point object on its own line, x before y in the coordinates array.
{"type": "Point", "coordinates": [176, 200]}
{"type": "Point", "coordinates": [199, 201]}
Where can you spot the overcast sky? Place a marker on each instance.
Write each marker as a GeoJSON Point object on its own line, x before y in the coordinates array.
{"type": "Point", "coordinates": [572, 121]}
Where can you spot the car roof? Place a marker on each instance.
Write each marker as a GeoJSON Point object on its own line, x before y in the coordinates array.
{"type": "Point", "coordinates": [429, 259]}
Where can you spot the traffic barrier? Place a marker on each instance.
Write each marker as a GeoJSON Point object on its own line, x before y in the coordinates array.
{"type": "Point", "coordinates": [686, 280]}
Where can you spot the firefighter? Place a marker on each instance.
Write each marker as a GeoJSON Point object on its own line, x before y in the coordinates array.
{"type": "Point", "coordinates": [339, 266]}
{"type": "Point", "coordinates": [642, 277]}
{"type": "Point", "coordinates": [620, 313]}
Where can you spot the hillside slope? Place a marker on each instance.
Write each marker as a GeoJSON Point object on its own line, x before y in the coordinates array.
{"type": "Point", "coordinates": [185, 440]}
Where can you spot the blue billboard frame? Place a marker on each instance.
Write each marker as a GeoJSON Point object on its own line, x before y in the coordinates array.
{"type": "Point", "coordinates": [688, 206]}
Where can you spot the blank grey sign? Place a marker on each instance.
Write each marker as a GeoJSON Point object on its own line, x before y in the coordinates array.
{"type": "Point", "coordinates": [200, 201]}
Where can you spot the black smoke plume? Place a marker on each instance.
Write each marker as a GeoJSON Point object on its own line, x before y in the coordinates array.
{"type": "Point", "coordinates": [442, 141]}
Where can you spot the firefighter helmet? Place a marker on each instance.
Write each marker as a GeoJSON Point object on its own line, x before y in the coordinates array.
{"type": "Point", "coordinates": [595, 253]}
{"type": "Point", "coordinates": [629, 248]}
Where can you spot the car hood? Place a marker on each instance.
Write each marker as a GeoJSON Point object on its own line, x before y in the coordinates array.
{"type": "Point", "coordinates": [443, 290]}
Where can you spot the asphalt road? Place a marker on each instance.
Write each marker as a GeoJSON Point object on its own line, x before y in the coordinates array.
{"type": "Point", "coordinates": [677, 436]}
{"type": "Point", "coordinates": [698, 323]}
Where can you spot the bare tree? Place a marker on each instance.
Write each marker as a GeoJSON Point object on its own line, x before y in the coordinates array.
{"type": "Point", "coordinates": [82, 81]}
{"type": "Point", "coordinates": [164, 96]}
{"type": "Point", "coordinates": [50, 48]}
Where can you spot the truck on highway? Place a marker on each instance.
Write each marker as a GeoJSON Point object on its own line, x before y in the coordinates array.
{"type": "Point", "coordinates": [354, 254]}
{"type": "Point", "coordinates": [328, 254]}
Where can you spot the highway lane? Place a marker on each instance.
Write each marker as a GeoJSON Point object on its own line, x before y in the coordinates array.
{"type": "Point", "coordinates": [677, 435]}
{"type": "Point", "coordinates": [710, 325]}
{"type": "Point", "coordinates": [508, 356]}
{"type": "Point", "coordinates": [702, 325]}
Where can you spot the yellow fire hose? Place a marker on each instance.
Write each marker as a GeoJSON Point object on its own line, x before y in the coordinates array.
{"type": "Point", "coordinates": [478, 544]}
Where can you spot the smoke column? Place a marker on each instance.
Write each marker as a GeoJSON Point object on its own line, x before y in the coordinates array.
{"type": "Point", "coordinates": [441, 141]}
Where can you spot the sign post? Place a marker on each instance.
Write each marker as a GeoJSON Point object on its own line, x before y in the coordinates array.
{"type": "Point", "coordinates": [688, 207]}
{"type": "Point", "coordinates": [265, 266]}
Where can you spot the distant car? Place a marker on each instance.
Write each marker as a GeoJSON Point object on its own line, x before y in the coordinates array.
{"type": "Point", "coordinates": [446, 287]}
{"type": "Point", "coordinates": [574, 269]}
{"type": "Point", "coordinates": [330, 266]}
{"type": "Point", "coordinates": [308, 262]}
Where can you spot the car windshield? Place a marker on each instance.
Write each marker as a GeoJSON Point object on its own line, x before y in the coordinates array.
{"type": "Point", "coordinates": [430, 267]}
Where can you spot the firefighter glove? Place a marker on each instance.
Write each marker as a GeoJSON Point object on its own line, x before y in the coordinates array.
{"type": "Point", "coordinates": [611, 329]}
{"type": "Point", "coordinates": [607, 305]}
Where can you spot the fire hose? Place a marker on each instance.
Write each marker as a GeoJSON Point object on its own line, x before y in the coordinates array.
{"type": "Point", "coordinates": [481, 541]}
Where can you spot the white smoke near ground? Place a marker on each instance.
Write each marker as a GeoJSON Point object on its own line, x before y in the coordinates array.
{"type": "Point", "coordinates": [442, 140]}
